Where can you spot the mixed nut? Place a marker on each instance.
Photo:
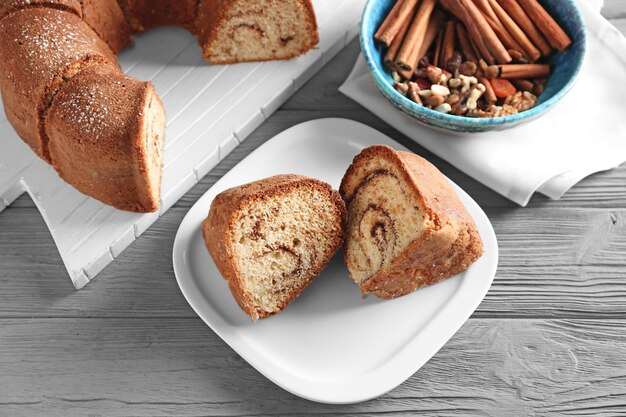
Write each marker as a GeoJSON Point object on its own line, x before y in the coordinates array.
{"type": "Point", "coordinates": [465, 89]}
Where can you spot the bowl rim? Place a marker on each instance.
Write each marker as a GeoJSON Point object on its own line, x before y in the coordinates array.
{"type": "Point", "coordinates": [450, 119]}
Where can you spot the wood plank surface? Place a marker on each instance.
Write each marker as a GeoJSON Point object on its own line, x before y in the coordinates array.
{"type": "Point", "coordinates": [121, 367]}
{"type": "Point", "coordinates": [548, 340]}
{"type": "Point", "coordinates": [557, 262]}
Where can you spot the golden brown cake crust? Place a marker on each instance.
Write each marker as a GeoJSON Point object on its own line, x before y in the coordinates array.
{"type": "Point", "coordinates": [10, 6]}
{"type": "Point", "coordinates": [217, 230]}
{"type": "Point", "coordinates": [445, 249]}
{"type": "Point", "coordinates": [95, 128]}
{"type": "Point", "coordinates": [106, 18]}
{"type": "Point", "coordinates": [147, 14]}
{"type": "Point", "coordinates": [34, 58]}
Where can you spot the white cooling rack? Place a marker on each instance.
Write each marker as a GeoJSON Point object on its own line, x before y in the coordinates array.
{"type": "Point", "coordinates": [210, 110]}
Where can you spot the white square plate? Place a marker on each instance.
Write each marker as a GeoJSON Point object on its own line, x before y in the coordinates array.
{"type": "Point", "coordinates": [330, 345]}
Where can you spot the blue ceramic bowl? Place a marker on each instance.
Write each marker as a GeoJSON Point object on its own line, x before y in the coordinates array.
{"type": "Point", "coordinates": [565, 68]}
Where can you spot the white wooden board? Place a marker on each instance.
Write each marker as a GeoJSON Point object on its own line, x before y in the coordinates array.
{"type": "Point", "coordinates": [210, 110]}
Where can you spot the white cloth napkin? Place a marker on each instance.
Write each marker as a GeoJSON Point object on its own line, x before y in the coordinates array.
{"type": "Point", "coordinates": [585, 132]}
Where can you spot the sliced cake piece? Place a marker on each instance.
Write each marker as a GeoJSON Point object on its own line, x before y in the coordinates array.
{"type": "Point", "coordinates": [240, 30]}
{"type": "Point", "coordinates": [106, 133]}
{"type": "Point", "coordinates": [270, 238]}
{"type": "Point", "coordinates": [406, 227]}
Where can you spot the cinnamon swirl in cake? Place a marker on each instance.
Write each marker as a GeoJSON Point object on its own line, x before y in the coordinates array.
{"type": "Point", "coordinates": [271, 238]}
{"type": "Point", "coordinates": [406, 227]}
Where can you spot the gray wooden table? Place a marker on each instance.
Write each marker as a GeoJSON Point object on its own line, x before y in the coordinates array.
{"type": "Point", "coordinates": [549, 338]}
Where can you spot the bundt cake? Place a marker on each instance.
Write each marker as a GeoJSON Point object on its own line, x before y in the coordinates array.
{"type": "Point", "coordinates": [67, 98]}
{"type": "Point", "coordinates": [406, 227]}
{"type": "Point", "coordinates": [271, 238]}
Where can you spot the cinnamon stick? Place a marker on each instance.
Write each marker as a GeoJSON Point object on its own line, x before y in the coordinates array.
{"type": "Point", "coordinates": [524, 71]}
{"type": "Point", "coordinates": [504, 36]}
{"type": "Point", "coordinates": [438, 49]}
{"type": "Point", "coordinates": [456, 8]}
{"type": "Point", "coordinates": [490, 95]}
{"type": "Point", "coordinates": [520, 17]}
{"type": "Point", "coordinates": [494, 21]}
{"type": "Point", "coordinates": [484, 7]}
{"type": "Point", "coordinates": [518, 34]}
{"type": "Point", "coordinates": [407, 55]}
{"type": "Point", "coordinates": [434, 26]}
{"type": "Point", "coordinates": [466, 45]}
{"type": "Point", "coordinates": [405, 11]}
{"type": "Point", "coordinates": [393, 14]}
{"type": "Point", "coordinates": [406, 74]}
{"type": "Point", "coordinates": [489, 37]}
{"type": "Point", "coordinates": [523, 84]}
{"type": "Point", "coordinates": [447, 48]}
{"type": "Point", "coordinates": [392, 52]}
{"type": "Point", "coordinates": [477, 52]}
{"type": "Point", "coordinates": [433, 29]}
{"type": "Point", "coordinates": [555, 35]}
